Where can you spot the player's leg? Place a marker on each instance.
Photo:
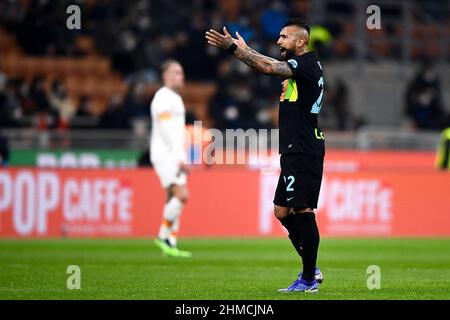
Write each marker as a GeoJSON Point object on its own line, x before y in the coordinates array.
{"type": "Point", "coordinates": [282, 211]}
{"type": "Point", "coordinates": [173, 235]}
{"type": "Point", "coordinates": [306, 230]}
{"type": "Point", "coordinates": [285, 216]}
{"type": "Point", "coordinates": [174, 183]}
{"type": "Point", "coordinates": [181, 194]}
{"type": "Point", "coordinates": [306, 171]}
{"type": "Point", "coordinates": [302, 177]}
{"type": "Point", "coordinates": [164, 228]}
{"type": "Point", "coordinates": [304, 236]}
{"type": "Point", "coordinates": [170, 212]}
{"type": "Point", "coordinates": [177, 196]}
{"type": "Point", "coordinates": [167, 237]}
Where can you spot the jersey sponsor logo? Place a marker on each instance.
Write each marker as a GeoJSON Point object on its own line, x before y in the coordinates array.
{"type": "Point", "coordinates": [165, 115]}
{"type": "Point", "coordinates": [289, 199]}
{"type": "Point", "coordinates": [290, 91]}
{"type": "Point", "coordinates": [319, 135]}
{"type": "Point", "coordinates": [293, 63]}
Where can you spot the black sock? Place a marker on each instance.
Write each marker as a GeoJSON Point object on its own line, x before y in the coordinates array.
{"type": "Point", "coordinates": [306, 231]}
{"type": "Point", "coordinates": [288, 223]}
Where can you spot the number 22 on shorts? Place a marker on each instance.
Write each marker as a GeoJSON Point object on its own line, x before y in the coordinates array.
{"type": "Point", "coordinates": [291, 182]}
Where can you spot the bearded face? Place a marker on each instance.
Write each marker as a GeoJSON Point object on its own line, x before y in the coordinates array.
{"type": "Point", "coordinates": [287, 42]}
{"type": "Point", "coordinates": [286, 53]}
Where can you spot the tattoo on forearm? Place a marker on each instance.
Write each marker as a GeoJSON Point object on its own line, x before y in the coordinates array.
{"type": "Point", "coordinates": [263, 63]}
{"type": "Point", "coordinates": [252, 60]}
{"type": "Point", "coordinates": [259, 54]}
{"type": "Point", "coordinates": [252, 51]}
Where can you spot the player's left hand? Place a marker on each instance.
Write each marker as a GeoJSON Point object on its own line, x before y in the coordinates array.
{"type": "Point", "coordinates": [241, 42]}
{"type": "Point", "coordinates": [221, 41]}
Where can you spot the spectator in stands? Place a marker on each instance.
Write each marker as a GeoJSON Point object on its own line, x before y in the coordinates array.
{"type": "Point", "coordinates": [84, 107]}
{"type": "Point", "coordinates": [38, 94]}
{"type": "Point", "coordinates": [123, 57]}
{"type": "Point", "coordinates": [223, 109]}
{"type": "Point", "coordinates": [233, 15]}
{"type": "Point", "coordinates": [321, 41]}
{"type": "Point", "coordinates": [339, 104]}
{"type": "Point", "coordinates": [84, 116]}
{"type": "Point", "coordinates": [138, 35]}
{"type": "Point", "coordinates": [4, 151]}
{"type": "Point", "coordinates": [135, 104]}
{"type": "Point", "coordinates": [40, 31]}
{"type": "Point", "coordinates": [47, 116]}
{"type": "Point", "coordinates": [115, 115]}
{"type": "Point", "coordinates": [300, 8]}
{"type": "Point", "coordinates": [62, 103]}
{"type": "Point", "coordinates": [231, 107]}
{"type": "Point", "coordinates": [423, 98]}
{"type": "Point", "coordinates": [20, 93]}
{"type": "Point", "coordinates": [272, 20]}
{"type": "Point", "coordinates": [192, 52]}
{"type": "Point", "coordinates": [9, 105]}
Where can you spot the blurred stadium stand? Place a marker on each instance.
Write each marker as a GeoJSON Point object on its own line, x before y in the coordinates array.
{"type": "Point", "coordinates": [91, 88]}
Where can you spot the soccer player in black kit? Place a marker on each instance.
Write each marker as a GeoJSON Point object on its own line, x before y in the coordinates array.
{"type": "Point", "coordinates": [302, 146]}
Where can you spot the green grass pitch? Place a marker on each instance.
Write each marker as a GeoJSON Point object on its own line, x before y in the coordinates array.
{"type": "Point", "coordinates": [222, 269]}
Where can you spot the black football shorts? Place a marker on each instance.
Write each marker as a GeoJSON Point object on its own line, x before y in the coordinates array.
{"type": "Point", "coordinates": [300, 180]}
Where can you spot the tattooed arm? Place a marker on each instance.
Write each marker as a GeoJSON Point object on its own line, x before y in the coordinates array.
{"type": "Point", "coordinates": [242, 44]}
{"type": "Point", "coordinates": [264, 64]}
{"type": "Point", "coordinates": [250, 57]}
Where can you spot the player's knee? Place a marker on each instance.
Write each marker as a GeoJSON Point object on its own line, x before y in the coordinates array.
{"type": "Point", "coordinates": [280, 212]}
{"type": "Point", "coordinates": [182, 194]}
{"type": "Point", "coordinates": [183, 198]}
{"type": "Point", "coordinates": [302, 209]}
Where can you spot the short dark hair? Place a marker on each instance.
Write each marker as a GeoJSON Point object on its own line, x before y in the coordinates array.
{"type": "Point", "coordinates": [166, 64]}
{"type": "Point", "coordinates": [294, 21]}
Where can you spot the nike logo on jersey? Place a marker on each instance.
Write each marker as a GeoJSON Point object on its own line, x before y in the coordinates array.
{"type": "Point", "coordinates": [289, 199]}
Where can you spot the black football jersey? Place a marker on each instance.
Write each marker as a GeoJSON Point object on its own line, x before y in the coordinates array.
{"type": "Point", "coordinates": [300, 104]}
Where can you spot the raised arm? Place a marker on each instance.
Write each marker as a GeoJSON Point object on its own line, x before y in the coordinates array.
{"type": "Point", "coordinates": [264, 64]}
{"type": "Point", "coordinates": [250, 57]}
{"type": "Point", "coordinates": [240, 42]}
